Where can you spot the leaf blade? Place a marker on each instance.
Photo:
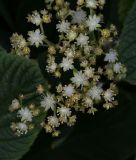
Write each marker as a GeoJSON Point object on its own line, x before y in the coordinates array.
{"type": "Point", "coordinates": [18, 76]}
{"type": "Point", "coordinates": [127, 46]}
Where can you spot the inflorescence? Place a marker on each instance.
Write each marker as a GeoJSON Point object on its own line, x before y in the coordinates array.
{"type": "Point", "coordinates": [88, 57]}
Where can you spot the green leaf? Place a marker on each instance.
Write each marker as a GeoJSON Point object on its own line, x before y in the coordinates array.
{"type": "Point", "coordinates": [105, 136]}
{"type": "Point", "coordinates": [127, 46]}
{"type": "Point", "coordinates": [17, 76]}
{"type": "Point", "coordinates": [124, 8]}
{"type": "Point", "coordinates": [2, 50]}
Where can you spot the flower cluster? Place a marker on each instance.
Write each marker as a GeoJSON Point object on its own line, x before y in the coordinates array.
{"type": "Point", "coordinates": [25, 115]}
{"type": "Point", "coordinates": [84, 61]}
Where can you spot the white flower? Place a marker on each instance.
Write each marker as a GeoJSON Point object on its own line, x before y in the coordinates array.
{"type": "Point", "coordinates": [108, 95]}
{"type": "Point", "coordinates": [89, 72]}
{"type": "Point", "coordinates": [35, 37]}
{"type": "Point", "coordinates": [67, 64]}
{"type": "Point", "coordinates": [53, 121]}
{"type": "Point", "coordinates": [25, 114]}
{"type": "Point", "coordinates": [95, 92]}
{"type": "Point", "coordinates": [34, 18]}
{"type": "Point", "coordinates": [63, 26]}
{"type": "Point", "coordinates": [71, 35]}
{"type": "Point", "coordinates": [111, 56]}
{"type": "Point", "coordinates": [117, 67]}
{"type": "Point", "coordinates": [21, 128]}
{"type": "Point", "coordinates": [17, 41]}
{"type": "Point", "coordinates": [79, 16]}
{"type": "Point", "coordinates": [79, 79]}
{"type": "Point", "coordinates": [44, 12]}
{"type": "Point", "coordinates": [70, 52]}
{"type": "Point", "coordinates": [48, 102]}
{"type": "Point", "coordinates": [51, 67]}
{"type": "Point", "coordinates": [64, 113]}
{"type": "Point", "coordinates": [88, 101]}
{"type": "Point", "coordinates": [91, 4]}
{"type": "Point", "coordinates": [92, 110]}
{"type": "Point", "coordinates": [93, 22]}
{"type": "Point", "coordinates": [82, 40]}
{"type": "Point", "coordinates": [68, 90]}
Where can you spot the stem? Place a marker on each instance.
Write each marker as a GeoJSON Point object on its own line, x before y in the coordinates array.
{"type": "Point", "coordinates": [55, 111]}
{"type": "Point", "coordinates": [29, 95]}
{"type": "Point", "coordinates": [42, 29]}
{"type": "Point", "coordinates": [49, 43]}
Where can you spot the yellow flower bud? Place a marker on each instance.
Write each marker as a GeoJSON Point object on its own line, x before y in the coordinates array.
{"type": "Point", "coordinates": [59, 2]}
{"type": "Point", "coordinates": [26, 50]}
{"type": "Point", "coordinates": [40, 89]}
{"type": "Point", "coordinates": [46, 18]}
{"type": "Point", "coordinates": [51, 50]}
{"type": "Point", "coordinates": [105, 33]}
{"type": "Point", "coordinates": [80, 2]}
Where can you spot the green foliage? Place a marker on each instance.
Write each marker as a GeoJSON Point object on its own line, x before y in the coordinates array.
{"type": "Point", "coordinates": [127, 46]}
{"type": "Point", "coordinates": [18, 76]}
{"type": "Point", "coordinates": [124, 8]}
